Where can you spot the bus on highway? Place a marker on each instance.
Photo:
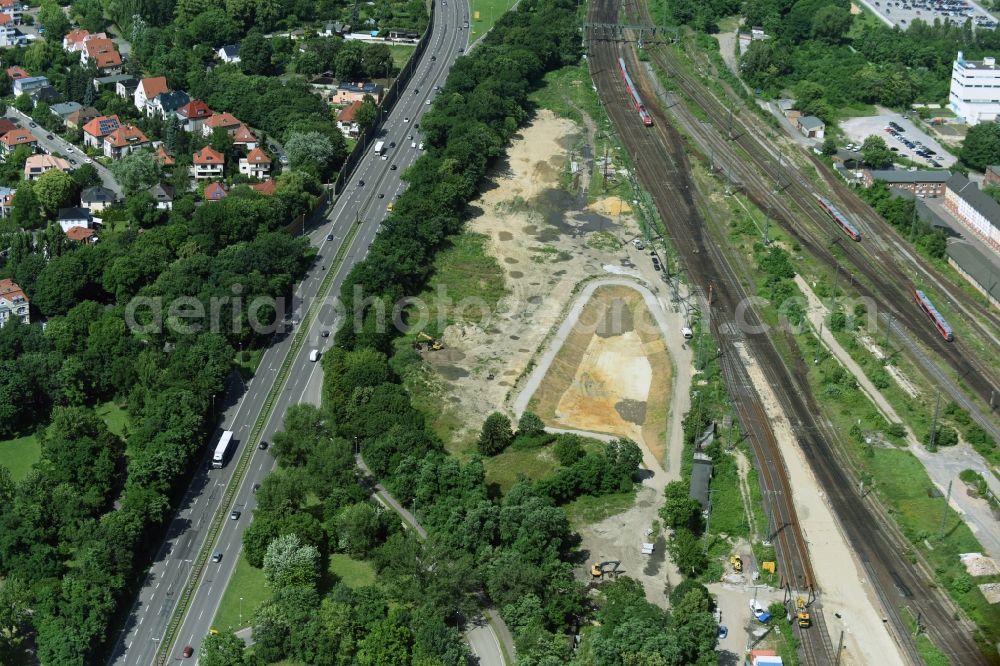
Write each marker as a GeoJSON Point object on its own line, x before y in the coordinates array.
{"type": "Point", "coordinates": [222, 449]}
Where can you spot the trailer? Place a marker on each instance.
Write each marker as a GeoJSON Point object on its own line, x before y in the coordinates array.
{"type": "Point", "coordinates": [839, 218]}
{"type": "Point", "coordinates": [940, 323]}
{"type": "Point", "coordinates": [222, 449]}
{"type": "Point", "coordinates": [647, 119]}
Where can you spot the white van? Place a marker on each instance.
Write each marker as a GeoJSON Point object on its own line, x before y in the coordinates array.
{"type": "Point", "coordinates": [686, 332]}
{"type": "Point", "coordinates": [314, 355]}
{"type": "Point", "coordinates": [413, 144]}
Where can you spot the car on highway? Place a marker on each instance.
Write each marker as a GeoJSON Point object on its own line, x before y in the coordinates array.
{"type": "Point", "coordinates": [381, 196]}
{"type": "Point", "coordinates": [32, 125]}
{"type": "Point", "coordinates": [392, 144]}
{"type": "Point", "coordinates": [217, 556]}
{"type": "Point", "coordinates": [427, 103]}
{"type": "Point", "coordinates": [326, 334]}
{"type": "Point", "coordinates": [434, 58]}
{"type": "Point", "coordinates": [256, 487]}
{"type": "Point", "coordinates": [187, 651]}
{"type": "Point", "coordinates": [361, 183]}
{"type": "Point", "coordinates": [89, 161]}
{"type": "Point", "coordinates": [329, 236]}
{"type": "Point", "coordinates": [234, 515]}
{"type": "Point", "coordinates": [263, 445]}
{"type": "Point", "coordinates": [406, 120]}
{"type": "Point", "coordinates": [49, 137]}
{"type": "Point", "coordinates": [392, 167]}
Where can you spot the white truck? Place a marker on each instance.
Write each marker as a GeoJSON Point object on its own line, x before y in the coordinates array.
{"type": "Point", "coordinates": [222, 449]}
{"type": "Point", "coordinates": [380, 148]}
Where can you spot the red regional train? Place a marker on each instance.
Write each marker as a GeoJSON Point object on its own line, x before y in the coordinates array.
{"type": "Point", "coordinates": [647, 119]}
{"type": "Point", "coordinates": [939, 322]}
{"type": "Point", "coordinates": [840, 218]}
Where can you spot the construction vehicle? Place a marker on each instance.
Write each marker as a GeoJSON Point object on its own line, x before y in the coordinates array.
{"type": "Point", "coordinates": [432, 344]}
{"type": "Point", "coordinates": [595, 571]}
{"type": "Point", "coordinates": [601, 569]}
{"type": "Point", "coordinates": [737, 563]}
{"type": "Point", "coordinates": [802, 613]}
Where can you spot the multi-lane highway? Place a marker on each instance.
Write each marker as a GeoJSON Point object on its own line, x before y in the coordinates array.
{"type": "Point", "coordinates": [365, 205]}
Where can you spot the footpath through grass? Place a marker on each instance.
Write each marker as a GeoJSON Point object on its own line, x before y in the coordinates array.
{"type": "Point", "coordinates": [489, 12]}
{"type": "Point", "coordinates": [249, 584]}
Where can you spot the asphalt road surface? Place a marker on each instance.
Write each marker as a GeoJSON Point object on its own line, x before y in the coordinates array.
{"type": "Point", "coordinates": [147, 622]}
{"type": "Point", "coordinates": [59, 145]}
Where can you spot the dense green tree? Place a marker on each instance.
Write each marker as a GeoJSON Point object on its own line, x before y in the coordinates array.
{"type": "Point", "coordinates": [831, 23]}
{"type": "Point", "coordinates": [136, 172]}
{"type": "Point", "coordinates": [530, 424]}
{"type": "Point", "coordinates": [679, 509]}
{"type": "Point", "coordinates": [223, 649]}
{"type": "Point", "coordinates": [26, 210]}
{"type": "Point", "coordinates": [52, 17]}
{"type": "Point", "coordinates": [367, 113]}
{"type": "Point", "coordinates": [495, 435]}
{"type": "Point", "coordinates": [875, 152]}
{"type": "Point", "coordinates": [290, 563]}
{"type": "Point", "coordinates": [687, 552]}
{"type": "Point", "coordinates": [981, 146]}
{"type": "Point", "coordinates": [55, 189]}
{"type": "Point", "coordinates": [255, 53]}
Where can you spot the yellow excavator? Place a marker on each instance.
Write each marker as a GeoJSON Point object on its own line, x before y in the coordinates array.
{"type": "Point", "coordinates": [737, 563]}
{"type": "Point", "coordinates": [802, 613]}
{"type": "Point", "coordinates": [432, 344]}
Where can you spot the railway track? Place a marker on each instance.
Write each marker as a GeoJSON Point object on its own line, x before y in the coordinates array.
{"type": "Point", "coordinates": [886, 284]}
{"type": "Point", "coordinates": [672, 193]}
{"type": "Point", "coordinates": [903, 588]}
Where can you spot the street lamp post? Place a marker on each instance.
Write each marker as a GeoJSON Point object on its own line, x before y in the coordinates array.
{"type": "Point", "coordinates": [241, 612]}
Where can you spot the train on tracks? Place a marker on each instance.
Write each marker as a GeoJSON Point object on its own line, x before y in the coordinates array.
{"type": "Point", "coordinates": [939, 322]}
{"type": "Point", "coordinates": [839, 218]}
{"type": "Point", "coordinates": [647, 119]}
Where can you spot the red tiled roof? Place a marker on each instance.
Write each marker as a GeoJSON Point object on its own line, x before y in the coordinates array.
{"type": "Point", "coordinates": [126, 135]}
{"type": "Point", "coordinates": [9, 4]}
{"type": "Point", "coordinates": [195, 110]}
{"type": "Point", "coordinates": [348, 113]}
{"type": "Point", "coordinates": [244, 135]}
{"type": "Point", "coordinates": [154, 86]}
{"type": "Point", "coordinates": [267, 188]}
{"type": "Point", "coordinates": [102, 126]}
{"type": "Point", "coordinates": [103, 51]}
{"type": "Point", "coordinates": [258, 156]}
{"type": "Point", "coordinates": [81, 234]}
{"type": "Point", "coordinates": [163, 157]}
{"type": "Point", "coordinates": [16, 72]}
{"type": "Point", "coordinates": [18, 137]}
{"type": "Point", "coordinates": [6, 126]}
{"type": "Point", "coordinates": [74, 36]}
{"type": "Point", "coordinates": [10, 290]}
{"type": "Point", "coordinates": [5, 19]}
{"type": "Point", "coordinates": [208, 156]}
{"type": "Point", "coordinates": [215, 191]}
{"type": "Point", "coordinates": [224, 119]}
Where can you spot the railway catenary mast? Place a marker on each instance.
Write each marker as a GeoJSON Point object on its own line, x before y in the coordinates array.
{"type": "Point", "coordinates": [647, 119]}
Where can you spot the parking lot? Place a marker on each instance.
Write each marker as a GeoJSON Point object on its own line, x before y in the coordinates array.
{"type": "Point", "coordinates": [904, 12]}
{"type": "Point", "coordinates": [858, 129]}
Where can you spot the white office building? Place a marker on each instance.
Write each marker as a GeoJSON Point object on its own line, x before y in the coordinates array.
{"type": "Point", "coordinates": [975, 90]}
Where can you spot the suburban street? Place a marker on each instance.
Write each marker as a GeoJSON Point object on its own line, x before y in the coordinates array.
{"type": "Point", "coordinates": [150, 615]}
{"type": "Point", "coordinates": [58, 145]}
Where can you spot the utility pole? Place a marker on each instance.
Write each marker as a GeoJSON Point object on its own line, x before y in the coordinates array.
{"type": "Point", "coordinates": [913, 223]}
{"type": "Point", "coordinates": [708, 523]}
{"type": "Point", "coordinates": [944, 516]}
{"type": "Point", "coordinates": [767, 223]}
{"type": "Point", "coordinates": [937, 411]}
{"type": "Point", "coordinates": [730, 122]}
{"type": "Point", "coordinates": [888, 332]}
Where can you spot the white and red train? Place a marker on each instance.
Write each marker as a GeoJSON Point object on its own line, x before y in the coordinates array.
{"type": "Point", "coordinates": [647, 119]}
{"type": "Point", "coordinates": [939, 322]}
{"type": "Point", "coordinates": [840, 218]}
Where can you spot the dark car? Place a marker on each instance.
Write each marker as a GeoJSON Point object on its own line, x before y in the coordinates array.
{"type": "Point", "coordinates": [32, 125]}
{"type": "Point", "coordinates": [361, 183]}
{"type": "Point", "coordinates": [381, 196]}
{"type": "Point", "coordinates": [217, 556]}
{"type": "Point", "coordinates": [392, 168]}
{"type": "Point", "coordinates": [392, 144]}
{"type": "Point", "coordinates": [256, 487]}
{"type": "Point", "coordinates": [329, 236]}
{"type": "Point", "coordinates": [49, 137]}
{"type": "Point", "coordinates": [187, 651]}
{"type": "Point", "coordinates": [263, 445]}
{"type": "Point", "coordinates": [326, 334]}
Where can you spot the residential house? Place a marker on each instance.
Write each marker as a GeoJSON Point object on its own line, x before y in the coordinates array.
{"type": "Point", "coordinates": [355, 92]}
{"type": "Point", "coordinates": [229, 53]}
{"type": "Point", "coordinates": [256, 164]}
{"type": "Point", "coordinates": [334, 28]}
{"type": "Point", "coordinates": [98, 128]}
{"type": "Point", "coordinates": [992, 175]}
{"type": "Point", "coordinates": [163, 158]}
{"type": "Point", "coordinates": [6, 200]}
{"type": "Point", "coordinates": [102, 53]}
{"type": "Point", "coordinates": [921, 183]}
{"type": "Point", "coordinates": [193, 115]}
{"type": "Point", "coordinates": [163, 195]}
{"type": "Point", "coordinates": [124, 140]}
{"type": "Point", "coordinates": [812, 127]}
{"type": "Point", "coordinates": [208, 164]}
{"type": "Point", "coordinates": [97, 198]}
{"type": "Point", "coordinates": [63, 109]}
{"type": "Point", "coordinates": [166, 104]}
{"type": "Point", "coordinates": [24, 85]}
{"type": "Point", "coordinates": [13, 303]}
{"type": "Point", "coordinates": [976, 211]}
{"type": "Point", "coordinates": [82, 235]}
{"type": "Point", "coordinates": [10, 141]}
{"type": "Point", "coordinates": [9, 35]}
{"type": "Point", "coordinates": [14, 73]}
{"type": "Point", "coordinates": [347, 120]}
{"type": "Point", "coordinates": [6, 125]}
{"type": "Point", "coordinates": [147, 90]}
{"type": "Point", "coordinates": [75, 217]}
{"type": "Point", "coordinates": [12, 8]}
{"type": "Point", "coordinates": [36, 165]}
{"type": "Point", "coordinates": [215, 191]}
{"type": "Point", "coordinates": [47, 94]}
{"type": "Point", "coordinates": [225, 120]}
{"type": "Point", "coordinates": [325, 82]}
{"type": "Point", "coordinates": [81, 117]}
{"type": "Point", "coordinates": [267, 188]}
{"type": "Point", "coordinates": [244, 138]}
{"type": "Point", "coordinates": [105, 83]}
{"type": "Point", "coordinates": [74, 40]}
